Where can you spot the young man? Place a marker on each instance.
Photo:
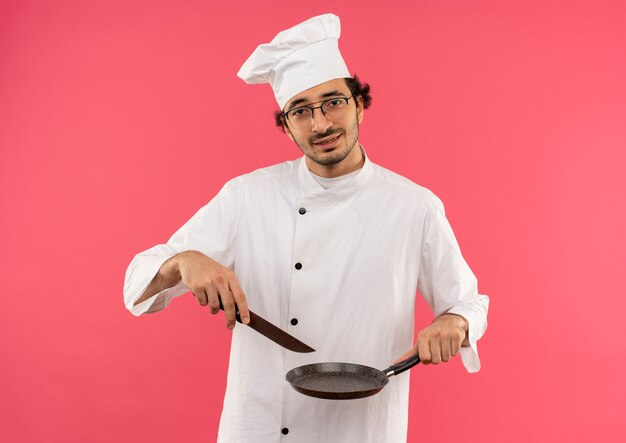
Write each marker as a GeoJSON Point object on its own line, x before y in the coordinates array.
{"type": "Point", "coordinates": [330, 247]}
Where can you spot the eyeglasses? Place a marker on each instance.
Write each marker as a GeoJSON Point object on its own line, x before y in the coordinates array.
{"type": "Point", "coordinates": [334, 109]}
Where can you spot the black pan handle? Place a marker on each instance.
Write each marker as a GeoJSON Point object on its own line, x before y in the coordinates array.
{"type": "Point", "coordinates": [237, 317]}
{"type": "Point", "coordinates": [402, 366]}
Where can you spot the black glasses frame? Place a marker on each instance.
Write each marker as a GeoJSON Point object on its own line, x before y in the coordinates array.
{"type": "Point", "coordinates": [320, 107]}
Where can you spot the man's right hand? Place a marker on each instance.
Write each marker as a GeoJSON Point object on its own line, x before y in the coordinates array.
{"type": "Point", "coordinates": [207, 279]}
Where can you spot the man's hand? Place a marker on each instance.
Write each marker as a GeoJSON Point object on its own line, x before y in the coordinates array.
{"type": "Point", "coordinates": [441, 340]}
{"type": "Point", "coordinates": [207, 279]}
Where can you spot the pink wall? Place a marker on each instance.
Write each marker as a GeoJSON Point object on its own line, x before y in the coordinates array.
{"type": "Point", "coordinates": [119, 120]}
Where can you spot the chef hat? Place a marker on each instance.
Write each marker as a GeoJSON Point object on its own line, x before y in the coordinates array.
{"type": "Point", "coordinates": [298, 58]}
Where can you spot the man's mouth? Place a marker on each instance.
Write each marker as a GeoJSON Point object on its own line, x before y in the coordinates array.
{"type": "Point", "coordinates": [328, 141]}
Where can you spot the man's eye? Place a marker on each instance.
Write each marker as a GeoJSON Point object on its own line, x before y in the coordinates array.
{"type": "Point", "coordinates": [298, 112]}
{"type": "Point", "coordinates": [335, 102]}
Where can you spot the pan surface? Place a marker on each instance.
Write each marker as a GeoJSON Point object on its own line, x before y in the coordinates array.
{"type": "Point", "coordinates": [337, 381]}
{"type": "Point", "coordinates": [344, 381]}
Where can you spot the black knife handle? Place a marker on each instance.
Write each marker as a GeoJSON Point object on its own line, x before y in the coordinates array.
{"type": "Point", "coordinates": [237, 317]}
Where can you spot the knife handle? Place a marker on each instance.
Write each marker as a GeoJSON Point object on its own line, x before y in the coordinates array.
{"type": "Point", "coordinates": [237, 317]}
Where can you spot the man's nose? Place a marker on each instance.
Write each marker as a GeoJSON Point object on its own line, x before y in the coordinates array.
{"type": "Point", "coordinates": [320, 122]}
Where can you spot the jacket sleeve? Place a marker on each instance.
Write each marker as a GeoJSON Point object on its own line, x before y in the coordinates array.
{"type": "Point", "coordinates": [447, 283]}
{"type": "Point", "coordinates": [212, 231]}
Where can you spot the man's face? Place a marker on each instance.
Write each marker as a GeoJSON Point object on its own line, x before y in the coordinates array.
{"type": "Point", "coordinates": [326, 142]}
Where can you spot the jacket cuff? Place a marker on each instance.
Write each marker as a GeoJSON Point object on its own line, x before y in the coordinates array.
{"type": "Point", "coordinates": [135, 287]}
{"type": "Point", "coordinates": [469, 354]}
{"type": "Point", "coordinates": [158, 301]}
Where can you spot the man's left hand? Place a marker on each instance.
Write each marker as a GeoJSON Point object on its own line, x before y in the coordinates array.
{"type": "Point", "coordinates": [441, 340]}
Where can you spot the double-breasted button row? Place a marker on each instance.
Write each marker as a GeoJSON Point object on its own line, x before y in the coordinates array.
{"type": "Point", "coordinates": [302, 211]}
{"type": "Point", "coordinates": [294, 321]}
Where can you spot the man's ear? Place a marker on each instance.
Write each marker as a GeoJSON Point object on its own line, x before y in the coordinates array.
{"type": "Point", "coordinates": [360, 110]}
{"type": "Point", "coordinates": [287, 131]}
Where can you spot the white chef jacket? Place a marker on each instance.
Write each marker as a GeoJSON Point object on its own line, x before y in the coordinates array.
{"type": "Point", "coordinates": [364, 247]}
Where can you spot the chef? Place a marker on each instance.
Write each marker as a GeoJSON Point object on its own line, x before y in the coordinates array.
{"type": "Point", "coordinates": [329, 247]}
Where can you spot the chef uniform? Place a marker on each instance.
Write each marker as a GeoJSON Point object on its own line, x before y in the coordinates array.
{"type": "Point", "coordinates": [336, 263]}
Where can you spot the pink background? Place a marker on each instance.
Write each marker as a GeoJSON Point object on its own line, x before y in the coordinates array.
{"type": "Point", "coordinates": [119, 119]}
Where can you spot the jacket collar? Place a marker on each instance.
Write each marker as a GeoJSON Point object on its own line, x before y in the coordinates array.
{"type": "Point", "coordinates": [310, 188]}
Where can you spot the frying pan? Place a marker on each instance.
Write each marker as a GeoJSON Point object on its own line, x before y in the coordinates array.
{"type": "Point", "coordinates": [344, 381]}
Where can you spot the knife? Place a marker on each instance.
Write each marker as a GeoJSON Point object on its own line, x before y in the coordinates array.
{"type": "Point", "coordinates": [272, 332]}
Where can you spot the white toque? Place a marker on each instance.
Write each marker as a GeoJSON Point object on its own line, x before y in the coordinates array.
{"type": "Point", "coordinates": [298, 58]}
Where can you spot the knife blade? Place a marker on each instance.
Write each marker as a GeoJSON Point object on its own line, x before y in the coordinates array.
{"type": "Point", "coordinates": [273, 332]}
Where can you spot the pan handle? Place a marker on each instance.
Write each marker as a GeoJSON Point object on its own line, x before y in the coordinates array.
{"type": "Point", "coordinates": [402, 366]}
